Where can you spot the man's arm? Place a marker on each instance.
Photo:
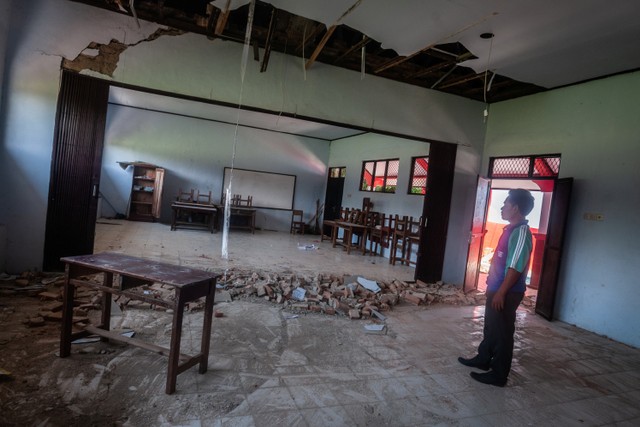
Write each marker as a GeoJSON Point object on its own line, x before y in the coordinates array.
{"type": "Point", "coordinates": [510, 279]}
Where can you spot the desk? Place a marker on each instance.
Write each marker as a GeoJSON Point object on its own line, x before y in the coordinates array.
{"type": "Point", "coordinates": [188, 285]}
{"type": "Point", "coordinates": [242, 217]}
{"type": "Point", "coordinates": [208, 212]}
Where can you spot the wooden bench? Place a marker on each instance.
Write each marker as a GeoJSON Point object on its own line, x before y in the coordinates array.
{"type": "Point", "coordinates": [121, 275]}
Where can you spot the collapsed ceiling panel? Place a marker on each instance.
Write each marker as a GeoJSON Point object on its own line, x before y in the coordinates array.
{"type": "Point", "coordinates": [435, 44]}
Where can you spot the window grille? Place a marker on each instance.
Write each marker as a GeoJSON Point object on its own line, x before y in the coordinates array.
{"type": "Point", "coordinates": [547, 166]}
{"type": "Point", "coordinates": [380, 175]}
{"type": "Point", "coordinates": [419, 170]}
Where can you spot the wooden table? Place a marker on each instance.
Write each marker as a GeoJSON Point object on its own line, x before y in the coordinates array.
{"type": "Point", "coordinates": [188, 285]}
{"type": "Point", "coordinates": [208, 211]}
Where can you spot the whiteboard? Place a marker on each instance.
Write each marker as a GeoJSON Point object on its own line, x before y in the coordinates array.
{"type": "Point", "coordinates": [269, 190]}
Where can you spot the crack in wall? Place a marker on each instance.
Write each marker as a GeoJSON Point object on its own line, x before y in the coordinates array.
{"type": "Point", "coordinates": [105, 61]}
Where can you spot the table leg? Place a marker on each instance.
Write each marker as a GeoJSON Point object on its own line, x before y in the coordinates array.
{"type": "Point", "coordinates": [173, 219]}
{"type": "Point", "coordinates": [67, 313]}
{"type": "Point", "coordinates": [334, 235]}
{"type": "Point", "coordinates": [206, 327]}
{"type": "Point", "coordinates": [106, 305]}
{"type": "Point", "coordinates": [174, 348]}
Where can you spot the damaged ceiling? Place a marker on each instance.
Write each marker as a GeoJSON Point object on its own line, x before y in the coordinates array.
{"type": "Point", "coordinates": [528, 47]}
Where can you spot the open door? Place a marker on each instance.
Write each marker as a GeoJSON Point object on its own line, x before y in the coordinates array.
{"type": "Point", "coordinates": [333, 195]}
{"type": "Point", "coordinates": [477, 234]}
{"type": "Point", "coordinates": [75, 168]}
{"type": "Point", "coordinates": [553, 250]}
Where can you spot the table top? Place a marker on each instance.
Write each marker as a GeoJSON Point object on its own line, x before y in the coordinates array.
{"type": "Point", "coordinates": [193, 205]}
{"type": "Point", "coordinates": [141, 268]}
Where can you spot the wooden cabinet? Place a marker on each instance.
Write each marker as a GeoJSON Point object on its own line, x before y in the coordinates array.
{"type": "Point", "coordinates": [146, 192]}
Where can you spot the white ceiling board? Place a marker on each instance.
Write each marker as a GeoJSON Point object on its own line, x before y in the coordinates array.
{"type": "Point", "coordinates": [545, 42]}
{"type": "Point", "coordinates": [190, 108]}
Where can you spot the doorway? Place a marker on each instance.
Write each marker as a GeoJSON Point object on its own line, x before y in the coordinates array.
{"type": "Point", "coordinates": [333, 195]}
{"type": "Point", "coordinates": [538, 223]}
{"type": "Point", "coordinates": [539, 175]}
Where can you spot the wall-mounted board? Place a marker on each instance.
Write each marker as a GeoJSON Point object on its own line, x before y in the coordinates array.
{"type": "Point", "coordinates": [268, 189]}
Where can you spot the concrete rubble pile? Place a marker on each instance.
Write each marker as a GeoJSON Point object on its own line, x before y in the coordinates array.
{"type": "Point", "coordinates": [331, 294]}
{"type": "Point", "coordinates": [321, 293]}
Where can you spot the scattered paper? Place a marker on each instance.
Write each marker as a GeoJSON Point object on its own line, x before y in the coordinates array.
{"type": "Point", "coordinates": [307, 247]}
{"type": "Point", "coordinates": [293, 316]}
{"type": "Point", "coordinates": [95, 338]}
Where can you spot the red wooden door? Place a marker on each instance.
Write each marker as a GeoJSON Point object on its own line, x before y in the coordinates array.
{"type": "Point", "coordinates": [477, 234]}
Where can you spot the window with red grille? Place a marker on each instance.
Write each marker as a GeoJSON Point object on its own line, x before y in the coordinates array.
{"type": "Point", "coordinates": [419, 170]}
{"type": "Point", "coordinates": [380, 175]}
{"type": "Point", "coordinates": [546, 166]}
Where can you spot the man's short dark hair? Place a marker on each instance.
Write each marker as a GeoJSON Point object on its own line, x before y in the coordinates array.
{"type": "Point", "coordinates": [522, 199]}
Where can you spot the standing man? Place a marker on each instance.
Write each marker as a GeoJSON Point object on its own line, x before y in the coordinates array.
{"type": "Point", "coordinates": [505, 290]}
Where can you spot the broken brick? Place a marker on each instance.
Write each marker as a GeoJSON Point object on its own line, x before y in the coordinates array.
{"type": "Point", "coordinates": [354, 314]}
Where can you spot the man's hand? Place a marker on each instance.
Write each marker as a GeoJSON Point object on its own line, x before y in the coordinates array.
{"type": "Point", "coordinates": [498, 301]}
{"type": "Point", "coordinates": [510, 279]}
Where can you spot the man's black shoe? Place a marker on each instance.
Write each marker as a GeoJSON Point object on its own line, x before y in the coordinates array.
{"type": "Point", "coordinates": [490, 378]}
{"type": "Point", "coordinates": [473, 363]}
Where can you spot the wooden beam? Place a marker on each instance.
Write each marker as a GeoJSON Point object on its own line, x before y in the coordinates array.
{"type": "Point", "coordinates": [214, 14]}
{"type": "Point", "coordinates": [267, 43]}
{"type": "Point", "coordinates": [308, 40]}
{"type": "Point", "coordinates": [436, 67]}
{"type": "Point", "coordinates": [328, 34]}
{"type": "Point", "coordinates": [461, 80]}
{"type": "Point", "coordinates": [353, 48]}
{"type": "Point", "coordinates": [320, 46]}
{"type": "Point", "coordinates": [222, 20]}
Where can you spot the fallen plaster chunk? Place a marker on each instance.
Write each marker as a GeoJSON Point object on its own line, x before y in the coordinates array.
{"type": "Point", "coordinates": [375, 329]}
{"type": "Point", "coordinates": [298, 293]}
{"type": "Point", "coordinates": [378, 315]}
{"type": "Point", "coordinates": [369, 284]}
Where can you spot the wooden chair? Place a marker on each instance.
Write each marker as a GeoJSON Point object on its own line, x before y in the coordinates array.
{"type": "Point", "coordinates": [203, 197]}
{"type": "Point", "coordinates": [297, 223]}
{"type": "Point", "coordinates": [184, 196]}
{"type": "Point", "coordinates": [330, 224]}
{"type": "Point", "coordinates": [397, 238]}
{"type": "Point", "coordinates": [380, 233]}
{"type": "Point", "coordinates": [412, 237]}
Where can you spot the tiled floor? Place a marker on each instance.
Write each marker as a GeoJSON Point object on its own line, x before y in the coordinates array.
{"type": "Point", "coordinates": [270, 368]}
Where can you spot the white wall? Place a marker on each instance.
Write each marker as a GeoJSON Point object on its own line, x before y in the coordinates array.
{"type": "Point", "coordinates": [596, 129]}
{"type": "Point", "coordinates": [351, 152]}
{"type": "Point", "coordinates": [42, 32]}
{"type": "Point", "coordinates": [194, 153]}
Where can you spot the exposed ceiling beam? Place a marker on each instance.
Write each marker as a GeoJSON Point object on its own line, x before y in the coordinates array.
{"type": "Point", "coordinates": [328, 34]}
{"type": "Point", "coordinates": [306, 41]}
{"type": "Point", "coordinates": [436, 67]}
{"type": "Point", "coordinates": [462, 80]}
{"type": "Point", "coordinates": [222, 20]}
{"type": "Point", "coordinates": [365, 40]}
{"type": "Point", "coordinates": [268, 40]}
{"type": "Point", "coordinates": [320, 46]}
